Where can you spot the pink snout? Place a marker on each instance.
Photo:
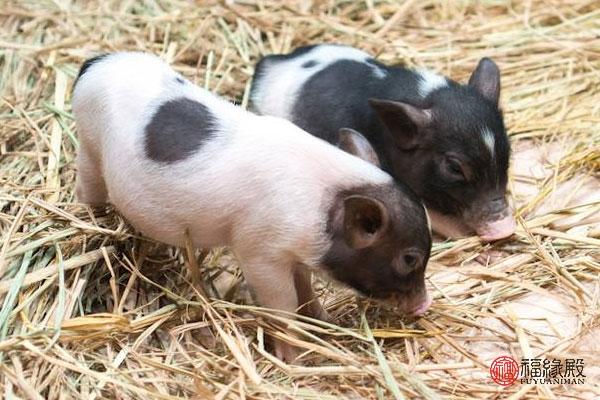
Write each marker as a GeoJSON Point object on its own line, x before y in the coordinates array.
{"type": "Point", "coordinates": [421, 308]}
{"type": "Point", "coordinates": [499, 229]}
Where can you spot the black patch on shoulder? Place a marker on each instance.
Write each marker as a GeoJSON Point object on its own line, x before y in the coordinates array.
{"type": "Point", "coordinates": [179, 80]}
{"type": "Point", "coordinates": [309, 64]}
{"type": "Point", "coordinates": [178, 129]}
{"type": "Point", "coordinates": [87, 64]}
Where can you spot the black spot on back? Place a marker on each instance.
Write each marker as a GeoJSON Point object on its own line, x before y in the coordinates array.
{"type": "Point", "coordinates": [178, 129]}
{"type": "Point", "coordinates": [87, 64]}
{"type": "Point", "coordinates": [309, 64]}
{"type": "Point", "coordinates": [179, 80]}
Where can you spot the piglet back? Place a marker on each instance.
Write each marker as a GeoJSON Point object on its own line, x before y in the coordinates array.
{"type": "Point", "coordinates": [124, 96]}
{"type": "Point", "coordinates": [113, 96]}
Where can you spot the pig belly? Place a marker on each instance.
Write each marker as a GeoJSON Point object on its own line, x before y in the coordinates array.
{"type": "Point", "coordinates": [163, 210]}
{"type": "Point", "coordinates": [163, 222]}
{"type": "Point", "coordinates": [152, 223]}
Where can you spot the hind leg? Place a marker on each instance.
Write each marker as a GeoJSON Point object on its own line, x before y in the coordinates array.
{"type": "Point", "coordinates": [90, 187]}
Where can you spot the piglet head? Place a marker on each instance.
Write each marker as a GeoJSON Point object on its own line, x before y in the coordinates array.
{"type": "Point", "coordinates": [451, 148]}
{"type": "Point", "coordinates": [380, 238]}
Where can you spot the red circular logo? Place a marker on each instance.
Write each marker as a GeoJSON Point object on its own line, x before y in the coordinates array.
{"type": "Point", "coordinates": [504, 370]}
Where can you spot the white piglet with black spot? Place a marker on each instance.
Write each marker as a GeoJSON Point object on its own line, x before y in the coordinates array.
{"type": "Point", "coordinates": [173, 158]}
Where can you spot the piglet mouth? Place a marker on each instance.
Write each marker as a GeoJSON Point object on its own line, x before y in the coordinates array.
{"type": "Point", "coordinates": [410, 307]}
{"type": "Point", "coordinates": [498, 229]}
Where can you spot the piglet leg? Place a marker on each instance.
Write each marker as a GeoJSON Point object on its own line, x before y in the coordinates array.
{"type": "Point", "coordinates": [274, 287]}
{"type": "Point", "coordinates": [90, 187]}
{"type": "Point", "coordinates": [310, 305]}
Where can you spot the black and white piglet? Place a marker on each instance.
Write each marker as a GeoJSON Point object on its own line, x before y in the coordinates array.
{"type": "Point", "coordinates": [172, 157]}
{"type": "Point", "coordinates": [445, 140]}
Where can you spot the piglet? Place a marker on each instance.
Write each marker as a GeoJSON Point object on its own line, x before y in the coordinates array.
{"type": "Point", "coordinates": [445, 140]}
{"type": "Point", "coordinates": [172, 157]}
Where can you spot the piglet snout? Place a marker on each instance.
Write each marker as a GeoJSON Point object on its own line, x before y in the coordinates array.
{"type": "Point", "coordinates": [499, 229]}
{"type": "Point", "coordinates": [423, 306]}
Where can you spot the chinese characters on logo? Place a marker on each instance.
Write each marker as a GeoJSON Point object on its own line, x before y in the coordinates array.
{"type": "Point", "coordinates": [557, 372]}
{"type": "Point", "coordinates": [505, 371]}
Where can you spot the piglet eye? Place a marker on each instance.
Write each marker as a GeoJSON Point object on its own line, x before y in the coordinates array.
{"type": "Point", "coordinates": [454, 168]}
{"type": "Point", "coordinates": [410, 261]}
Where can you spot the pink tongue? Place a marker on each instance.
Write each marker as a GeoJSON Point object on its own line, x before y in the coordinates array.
{"type": "Point", "coordinates": [498, 229]}
{"type": "Point", "coordinates": [421, 308]}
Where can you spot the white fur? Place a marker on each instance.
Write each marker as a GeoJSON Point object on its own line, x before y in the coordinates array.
{"type": "Point", "coordinates": [488, 139]}
{"type": "Point", "coordinates": [277, 89]}
{"type": "Point", "coordinates": [261, 186]}
{"type": "Point", "coordinates": [430, 81]}
{"type": "Point", "coordinates": [428, 219]}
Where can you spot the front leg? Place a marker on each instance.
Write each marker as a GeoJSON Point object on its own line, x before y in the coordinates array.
{"type": "Point", "coordinates": [273, 286]}
{"type": "Point", "coordinates": [310, 305]}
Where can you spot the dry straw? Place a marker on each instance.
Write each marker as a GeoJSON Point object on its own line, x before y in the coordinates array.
{"type": "Point", "coordinates": [91, 310]}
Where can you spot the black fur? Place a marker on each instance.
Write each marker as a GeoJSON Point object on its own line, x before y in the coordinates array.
{"type": "Point", "coordinates": [309, 64]}
{"type": "Point", "coordinates": [383, 270]}
{"type": "Point", "coordinates": [87, 64]}
{"type": "Point", "coordinates": [177, 130]}
{"type": "Point", "coordinates": [338, 96]}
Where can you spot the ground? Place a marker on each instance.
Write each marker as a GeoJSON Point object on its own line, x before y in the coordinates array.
{"type": "Point", "coordinates": [92, 310]}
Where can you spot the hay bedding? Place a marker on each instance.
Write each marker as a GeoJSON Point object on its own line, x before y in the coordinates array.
{"type": "Point", "coordinates": [91, 310]}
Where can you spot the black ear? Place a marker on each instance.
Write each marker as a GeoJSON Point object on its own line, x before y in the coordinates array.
{"type": "Point", "coordinates": [486, 80]}
{"type": "Point", "coordinates": [403, 120]}
{"type": "Point", "coordinates": [353, 142]}
{"type": "Point", "coordinates": [365, 221]}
